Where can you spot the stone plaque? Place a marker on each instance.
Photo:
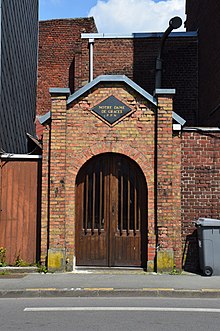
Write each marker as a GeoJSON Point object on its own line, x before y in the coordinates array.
{"type": "Point", "coordinates": [111, 109]}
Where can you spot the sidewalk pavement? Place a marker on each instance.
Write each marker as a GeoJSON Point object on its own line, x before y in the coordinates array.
{"type": "Point", "coordinates": [109, 282]}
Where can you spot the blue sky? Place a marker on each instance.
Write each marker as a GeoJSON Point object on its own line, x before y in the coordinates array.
{"type": "Point", "coordinates": [65, 8]}
{"type": "Point", "coordinates": [117, 16]}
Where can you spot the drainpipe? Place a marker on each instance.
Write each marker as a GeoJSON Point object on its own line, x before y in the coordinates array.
{"type": "Point", "coordinates": [174, 23]}
{"type": "Point", "coordinates": [91, 47]}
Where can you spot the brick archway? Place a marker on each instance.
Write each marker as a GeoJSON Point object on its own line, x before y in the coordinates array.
{"type": "Point", "coordinates": [105, 147]}
{"type": "Point", "coordinates": [77, 162]}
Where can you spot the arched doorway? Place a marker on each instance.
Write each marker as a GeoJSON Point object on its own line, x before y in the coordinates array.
{"type": "Point", "coordinates": [111, 212]}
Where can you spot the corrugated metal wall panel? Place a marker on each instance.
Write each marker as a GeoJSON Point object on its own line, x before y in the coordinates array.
{"type": "Point", "coordinates": [19, 222]}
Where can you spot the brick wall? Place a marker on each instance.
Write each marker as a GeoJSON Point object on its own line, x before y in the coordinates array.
{"type": "Point", "coordinates": [200, 181]}
{"type": "Point", "coordinates": [45, 204]}
{"type": "Point", "coordinates": [168, 187]}
{"type": "Point", "coordinates": [192, 12]}
{"type": "Point", "coordinates": [136, 58]}
{"type": "Point", "coordinates": [59, 46]}
{"type": "Point", "coordinates": [64, 62]}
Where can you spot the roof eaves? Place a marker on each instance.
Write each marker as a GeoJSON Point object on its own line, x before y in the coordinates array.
{"type": "Point", "coordinates": [112, 78]}
{"type": "Point", "coordinates": [178, 119]}
{"type": "Point", "coordinates": [44, 118]}
{"type": "Point", "coordinates": [136, 35]}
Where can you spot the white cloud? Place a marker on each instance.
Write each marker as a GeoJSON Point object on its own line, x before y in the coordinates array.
{"type": "Point", "coordinates": [127, 16]}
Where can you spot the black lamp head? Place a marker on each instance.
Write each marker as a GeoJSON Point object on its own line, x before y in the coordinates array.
{"type": "Point", "coordinates": [175, 22]}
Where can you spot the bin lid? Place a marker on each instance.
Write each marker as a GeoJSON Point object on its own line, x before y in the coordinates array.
{"type": "Point", "coordinates": [208, 222]}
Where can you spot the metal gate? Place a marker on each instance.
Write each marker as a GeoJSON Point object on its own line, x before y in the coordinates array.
{"type": "Point", "coordinates": [111, 212]}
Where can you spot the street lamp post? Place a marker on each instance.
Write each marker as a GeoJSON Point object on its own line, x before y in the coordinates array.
{"type": "Point", "coordinates": [174, 23]}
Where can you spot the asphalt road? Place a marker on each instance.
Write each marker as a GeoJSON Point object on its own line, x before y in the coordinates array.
{"type": "Point", "coordinates": [105, 314]}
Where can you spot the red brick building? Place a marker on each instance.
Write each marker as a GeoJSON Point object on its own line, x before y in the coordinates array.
{"type": "Point", "coordinates": [65, 54]}
{"type": "Point", "coordinates": [124, 178]}
{"type": "Point", "coordinates": [200, 185]}
{"type": "Point", "coordinates": [102, 177]}
{"type": "Point", "coordinates": [59, 48]}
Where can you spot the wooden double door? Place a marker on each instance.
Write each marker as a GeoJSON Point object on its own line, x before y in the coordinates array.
{"type": "Point", "coordinates": [111, 212]}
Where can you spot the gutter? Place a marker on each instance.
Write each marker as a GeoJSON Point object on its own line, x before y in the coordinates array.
{"type": "Point", "coordinates": [140, 35]}
{"type": "Point", "coordinates": [7, 156]}
{"type": "Point", "coordinates": [202, 129]}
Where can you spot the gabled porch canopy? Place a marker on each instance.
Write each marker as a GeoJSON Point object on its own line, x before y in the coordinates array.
{"type": "Point", "coordinates": [109, 78]}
